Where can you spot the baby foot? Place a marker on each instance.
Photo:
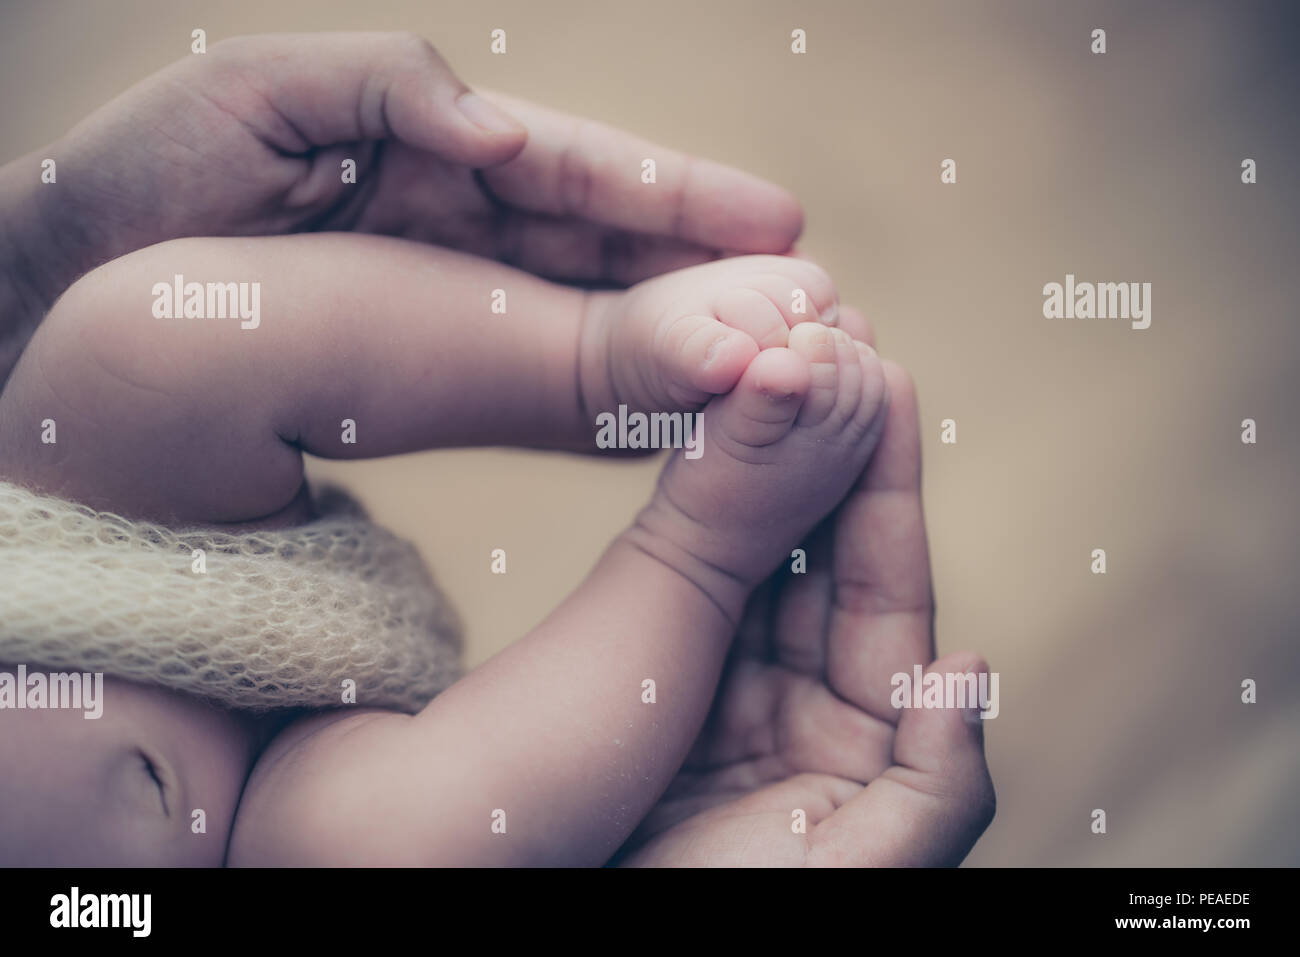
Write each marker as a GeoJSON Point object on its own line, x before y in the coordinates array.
{"type": "Point", "coordinates": [780, 451]}
{"type": "Point", "coordinates": [673, 342]}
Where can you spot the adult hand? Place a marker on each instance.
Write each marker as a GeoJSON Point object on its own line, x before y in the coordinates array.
{"type": "Point", "coordinates": [803, 721]}
{"type": "Point", "coordinates": [250, 138]}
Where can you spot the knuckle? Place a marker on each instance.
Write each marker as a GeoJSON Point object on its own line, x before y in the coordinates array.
{"type": "Point", "coordinates": [576, 177]}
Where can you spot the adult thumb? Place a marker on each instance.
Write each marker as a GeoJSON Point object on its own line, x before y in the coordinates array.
{"type": "Point", "coordinates": [326, 88]}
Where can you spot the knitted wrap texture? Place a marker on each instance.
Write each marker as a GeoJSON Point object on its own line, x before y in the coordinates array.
{"type": "Point", "coordinates": [278, 619]}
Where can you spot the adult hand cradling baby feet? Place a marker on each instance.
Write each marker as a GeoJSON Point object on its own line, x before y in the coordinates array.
{"type": "Point", "coordinates": [803, 759]}
{"type": "Point", "coordinates": [773, 739]}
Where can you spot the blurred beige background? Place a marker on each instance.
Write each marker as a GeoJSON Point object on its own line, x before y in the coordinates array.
{"type": "Point", "coordinates": [1119, 691]}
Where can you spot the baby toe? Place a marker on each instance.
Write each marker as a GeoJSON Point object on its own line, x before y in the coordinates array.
{"type": "Point", "coordinates": [753, 312]}
{"type": "Point", "coordinates": [849, 363]}
{"type": "Point", "coordinates": [764, 405]}
{"type": "Point", "coordinates": [700, 355]}
{"type": "Point", "coordinates": [819, 346]}
{"type": "Point", "coordinates": [802, 291]}
{"type": "Point", "coordinates": [873, 397]}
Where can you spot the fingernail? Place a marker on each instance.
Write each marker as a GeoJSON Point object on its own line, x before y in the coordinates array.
{"type": "Point", "coordinates": [487, 116]}
{"type": "Point", "coordinates": [831, 314]}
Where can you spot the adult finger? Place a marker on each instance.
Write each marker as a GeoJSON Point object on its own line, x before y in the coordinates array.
{"type": "Point", "coordinates": [302, 91]}
{"type": "Point", "coordinates": [883, 615]}
{"type": "Point", "coordinates": [578, 250]}
{"type": "Point", "coordinates": [584, 169]}
{"type": "Point", "coordinates": [799, 627]}
{"type": "Point", "coordinates": [930, 808]}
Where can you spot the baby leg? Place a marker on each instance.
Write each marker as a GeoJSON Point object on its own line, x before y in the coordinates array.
{"type": "Point", "coordinates": [552, 751]}
{"type": "Point", "coordinates": [136, 397]}
{"type": "Point", "coordinates": [351, 347]}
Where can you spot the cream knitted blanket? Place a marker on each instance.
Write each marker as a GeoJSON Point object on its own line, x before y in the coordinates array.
{"type": "Point", "coordinates": [262, 620]}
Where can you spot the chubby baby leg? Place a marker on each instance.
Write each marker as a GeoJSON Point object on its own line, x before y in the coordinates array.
{"type": "Point", "coordinates": [181, 383]}
{"type": "Point", "coordinates": [552, 751]}
{"type": "Point", "coordinates": [364, 346]}
{"type": "Point", "coordinates": [184, 381]}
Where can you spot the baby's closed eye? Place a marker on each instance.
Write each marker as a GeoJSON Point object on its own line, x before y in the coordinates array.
{"type": "Point", "coordinates": [156, 778]}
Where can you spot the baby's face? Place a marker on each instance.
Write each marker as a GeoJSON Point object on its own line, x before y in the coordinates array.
{"type": "Point", "coordinates": [121, 789]}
